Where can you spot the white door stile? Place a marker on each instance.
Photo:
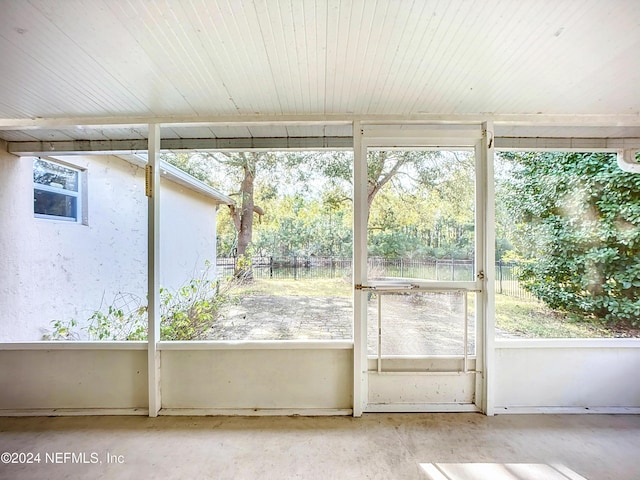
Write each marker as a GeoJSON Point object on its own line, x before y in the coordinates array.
{"type": "Point", "coordinates": [360, 367]}
{"type": "Point", "coordinates": [486, 319]}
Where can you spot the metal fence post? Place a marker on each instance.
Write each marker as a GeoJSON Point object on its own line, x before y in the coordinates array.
{"type": "Point", "coordinates": [295, 268]}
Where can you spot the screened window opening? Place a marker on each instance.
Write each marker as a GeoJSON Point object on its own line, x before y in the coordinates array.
{"type": "Point", "coordinates": [567, 243]}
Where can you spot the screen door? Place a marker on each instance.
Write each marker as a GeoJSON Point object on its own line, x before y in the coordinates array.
{"type": "Point", "coordinates": [423, 272]}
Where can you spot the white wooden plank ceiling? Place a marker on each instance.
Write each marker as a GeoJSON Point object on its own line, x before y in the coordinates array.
{"type": "Point", "coordinates": [200, 58]}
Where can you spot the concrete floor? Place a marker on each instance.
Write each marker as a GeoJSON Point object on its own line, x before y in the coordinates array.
{"type": "Point", "coordinates": [376, 446]}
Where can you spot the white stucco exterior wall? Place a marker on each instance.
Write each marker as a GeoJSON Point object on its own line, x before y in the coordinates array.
{"type": "Point", "coordinates": [187, 235]}
{"type": "Point", "coordinates": [55, 270]}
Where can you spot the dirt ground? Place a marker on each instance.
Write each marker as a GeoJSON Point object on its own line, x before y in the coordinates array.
{"type": "Point", "coordinates": [411, 325]}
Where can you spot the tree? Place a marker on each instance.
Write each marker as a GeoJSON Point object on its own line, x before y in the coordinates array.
{"type": "Point", "coordinates": [239, 168]}
{"type": "Point", "coordinates": [577, 218]}
{"type": "Point", "coordinates": [423, 206]}
{"type": "Point", "coordinates": [238, 174]}
{"type": "Point", "coordinates": [248, 163]}
{"type": "Point", "coordinates": [308, 213]}
{"type": "Point", "coordinates": [383, 166]}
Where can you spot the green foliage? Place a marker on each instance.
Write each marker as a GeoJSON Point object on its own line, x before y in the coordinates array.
{"type": "Point", "coordinates": [277, 179]}
{"type": "Point", "coordinates": [189, 313]}
{"type": "Point", "coordinates": [186, 314]}
{"type": "Point", "coordinates": [578, 217]}
{"type": "Point", "coordinates": [243, 267]}
{"type": "Point", "coordinates": [426, 210]}
{"type": "Point", "coordinates": [422, 202]}
{"type": "Point", "coordinates": [296, 225]}
{"type": "Point", "coordinates": [124, 319]}
{"type": "Point", "coordinates": [62, 330]}
{"type": "Point", "coordinates": [115, 324]}
{"type": "Point", "coordinates": [195, 165]}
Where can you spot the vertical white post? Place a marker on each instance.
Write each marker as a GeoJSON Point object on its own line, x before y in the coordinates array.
{"type": "Point", "coordinates": [379, 332]}
{"type": "Point", "coordinates": [487, 205]}
{"type": "Point", "coordinates": [466, 332]}
{"type": "Point", "coordinates": [360, 366]}
{"type": "Point", "coordinates": [153, 267]}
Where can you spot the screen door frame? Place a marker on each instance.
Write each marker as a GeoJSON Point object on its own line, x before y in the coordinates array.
{"type": "Point", "coordinates": [379, 389]}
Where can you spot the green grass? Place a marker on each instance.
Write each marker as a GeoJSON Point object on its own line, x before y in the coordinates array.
{"type": "Point", "coordinates": [532, 319]}
{"type": "Point", "coordinates": [515, 317]}
{"type": "Point", "coordinates": [336, 287]}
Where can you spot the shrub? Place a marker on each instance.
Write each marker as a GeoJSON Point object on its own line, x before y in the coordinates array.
{"type": "Point", "coordinates": [186, 314]}
{"type": "Point", "coordinates": [578, 219]}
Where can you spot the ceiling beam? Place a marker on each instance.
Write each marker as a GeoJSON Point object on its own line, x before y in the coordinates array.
{"type": "Point", "coordinates": [566, 144]}
{"type": "Point", "coordinates": [125, 147]}
{"type": "Point", "coordinates": [122, 147]}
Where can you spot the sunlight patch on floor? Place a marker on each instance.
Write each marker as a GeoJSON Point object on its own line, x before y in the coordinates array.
{"type": "Point", "coordinates": [498, 471]}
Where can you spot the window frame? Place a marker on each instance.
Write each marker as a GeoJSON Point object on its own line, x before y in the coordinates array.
{"type": "Point", "coordinates": [79, 195]}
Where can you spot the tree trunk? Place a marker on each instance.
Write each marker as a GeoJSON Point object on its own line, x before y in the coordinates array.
{"type": "Point", "coordinates": [243, 216]}
{"type": "Point", "coordinates": [377, 177]}
{"type": "Point", "coordinates": [244, 221]}
{"type": "Point", "coordinates": [246, 216]}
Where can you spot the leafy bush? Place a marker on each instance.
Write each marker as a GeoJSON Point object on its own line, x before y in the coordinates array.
{"type": "Point", "coordinates": [118, 323]}
{"type": "Point", "coordinates": [186, 314]}
{"type": "Point", "coordinates": [189, 313]}
{"type": "Point", "coordinates": [243, 268]}
{"type": "Point", "coordinates": [578, 218]}
{"type": "Point", "coordinates": [124, 319]}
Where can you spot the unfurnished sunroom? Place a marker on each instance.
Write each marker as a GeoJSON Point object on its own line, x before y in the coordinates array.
{"type": "Point", "coordinates": [88, 86]}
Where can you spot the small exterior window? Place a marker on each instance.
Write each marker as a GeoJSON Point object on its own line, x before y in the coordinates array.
{"type": "Point", "coordinates": [57, 191]}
